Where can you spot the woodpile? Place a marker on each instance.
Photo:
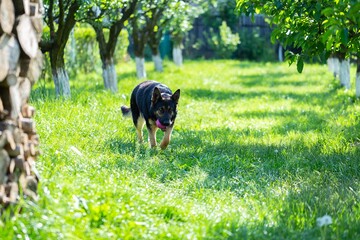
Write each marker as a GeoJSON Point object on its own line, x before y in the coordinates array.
{"type": "Point", "coordinates": [21, 26]}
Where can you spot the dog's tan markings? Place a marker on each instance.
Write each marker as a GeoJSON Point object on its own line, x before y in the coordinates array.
{"type": "Point", "coordinates": [139, 128]}
{"type": "Point", "coordinates": [152, 133]}
{"type": "Point", "coordinates": [166, 139]}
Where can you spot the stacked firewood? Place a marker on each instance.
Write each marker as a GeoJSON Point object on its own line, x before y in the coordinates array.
{"type": "Point", "coordinates": [21, 26]}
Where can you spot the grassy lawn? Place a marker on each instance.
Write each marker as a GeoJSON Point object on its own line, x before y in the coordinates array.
{"type": "Point", "coordinates": [258, 152]}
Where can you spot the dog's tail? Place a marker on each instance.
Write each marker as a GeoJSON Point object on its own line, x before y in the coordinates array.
{"type": "Point", "coordinates": [126, 111]}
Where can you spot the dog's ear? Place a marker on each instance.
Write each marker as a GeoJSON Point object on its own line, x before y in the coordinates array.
{"type": "Point", "coordinates": [156, 96]}
{"type": "Point", "coordinates": [176, 96]}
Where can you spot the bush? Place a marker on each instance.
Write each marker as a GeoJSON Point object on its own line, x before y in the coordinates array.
{"type": "Point", "coordinates": [254, 46]}
{"type": "Point", "coordinates": [224, 43]}
{"type": "Point", "coordinates": [82, 51]}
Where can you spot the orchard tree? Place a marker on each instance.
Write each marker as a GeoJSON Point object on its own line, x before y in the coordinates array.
{"type": "Point", "coordinates": [342, 36]}
{"type": "Point", "coordinates": [184, 14]}
{"type": "Point", "coordinates": [318, 28]}
{"type": "Point", "coordinates": [147, 26]}
{"type": "Point", "coordinates": [109, 16]}
{"type": "Point", "coordinates": [60, 18]}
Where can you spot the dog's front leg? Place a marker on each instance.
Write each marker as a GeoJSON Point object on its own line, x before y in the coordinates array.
{"type": "Point", "coordinates": [139, 127]}
{"type": "Point", "coordinates": [152, 136]}
{"type": "Point", "coordinates": [166, 139]}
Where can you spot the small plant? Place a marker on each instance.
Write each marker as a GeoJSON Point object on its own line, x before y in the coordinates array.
{"type": "Point", "coordinates": [224, 43]}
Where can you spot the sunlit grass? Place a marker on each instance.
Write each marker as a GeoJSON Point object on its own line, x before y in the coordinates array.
{"type": "Point", "coordinates": [258, 152]}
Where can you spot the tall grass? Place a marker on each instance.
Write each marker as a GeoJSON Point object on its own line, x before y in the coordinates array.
{"type": "Point", "coordinates": [258, 152]}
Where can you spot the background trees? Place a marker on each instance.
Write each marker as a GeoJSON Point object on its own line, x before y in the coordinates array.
{"type": "Point", "coordinates": [317, 28]}
{"type": "Point", "coordinates": [111, 16]}
{"type": "Point", "coordinates": [60, 19]}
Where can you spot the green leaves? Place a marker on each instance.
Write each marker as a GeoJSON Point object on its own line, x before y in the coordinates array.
{"type": "Point", "coordinates": [305, 25]}
{"type": "Point", "coordinates": [300, 64]}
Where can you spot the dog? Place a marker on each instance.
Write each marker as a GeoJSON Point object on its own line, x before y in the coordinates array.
{"type": "Point", "coordinates": [153, 104]}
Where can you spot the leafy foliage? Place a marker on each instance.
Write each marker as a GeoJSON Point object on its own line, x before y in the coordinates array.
{"type": "Point", "coordinates": [224, 43]}
{"type": "Point", "coordinates": [313, 26]}
{"type": "Point", "coordinates": [182, 18]}
{"type": "Point", "coordinates": [82, 52]}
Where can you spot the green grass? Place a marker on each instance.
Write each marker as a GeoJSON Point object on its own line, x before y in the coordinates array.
{"type": "Point", "coordinates": [258, 152]}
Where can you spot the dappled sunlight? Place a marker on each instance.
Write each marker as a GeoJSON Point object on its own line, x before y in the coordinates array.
{"type": "Point", "coordinates": [255, 148]}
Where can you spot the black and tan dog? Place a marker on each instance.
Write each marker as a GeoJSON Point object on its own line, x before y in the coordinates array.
{"type": "Point", "coordinates": [153, 104]}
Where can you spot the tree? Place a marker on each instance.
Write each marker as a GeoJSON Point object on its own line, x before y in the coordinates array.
{"type": "Point", "coordinates": [342, 36]}
{"type": "Point", "coordinates": [111, 16]}
{"type": "Point", "coordinates": [60, 18]}
{"type": "Point", "coordinates": [183, 16]}
{"type": "Point", "coordinates": [147, 26]}
{"type": "Point", "coordinates": [318, 28]}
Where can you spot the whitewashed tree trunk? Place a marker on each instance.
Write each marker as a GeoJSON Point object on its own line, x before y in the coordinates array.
{"type": "Point", "coordinates": [110, 78]}
{"type": "Point", "coordinates": [334, 66]}
{"type": "Point", "coordinates": [177, 55]}
{"type": "Point", "coordinates": [140, 67]}
{"type": "Point", "coordinates": [358, 84]}
{"type": "Point", "coordinates": [345, 73]}
{"type": "Point", "coordinates": [61, 80]}
{"type": "Point", "coordinates": [72, 47]}
{"type": "Point", "coordinates": [358, 77]}
{"type": "Point", "coordinates": [157, 63]}
{"type": "Point", "coordinates": [280, 54]}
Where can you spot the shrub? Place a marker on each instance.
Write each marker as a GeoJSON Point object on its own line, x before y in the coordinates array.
{"type": "Point", "coordinates": [83, 50]}
{"type": "Point", "coordinates": [224, 43]}
{"type": "Point", "coordinates": [254, 46]}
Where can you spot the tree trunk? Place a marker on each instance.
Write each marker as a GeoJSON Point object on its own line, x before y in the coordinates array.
{"type": "Point", "coordinates": [333, 64]}
{"type": "Point", "coordinates": [345, 73]}
{"type": "Point", "coordinates": [358, 76]}
{"type": "Point", "coordinates": [60, 76]}
{"type": "Point", "coordinates": [61, 81]}
{"type": "Point", "coordinates": [109, 76]}
{"type": "Point", "coordinates": [280, 53]}
{"type": "Point", "coordinates": [157, 62]}
{"type": "Point", "coordinates": [177, 55]}
{"type": "Point", "coordinates": [140, 67]}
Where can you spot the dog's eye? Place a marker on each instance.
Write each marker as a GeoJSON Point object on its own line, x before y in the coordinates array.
{"type": "Point", "coordinates": [161, 110]}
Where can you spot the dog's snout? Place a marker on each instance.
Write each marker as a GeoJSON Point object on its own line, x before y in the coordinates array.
{"type": "Point", "coordinates": [166, 122]}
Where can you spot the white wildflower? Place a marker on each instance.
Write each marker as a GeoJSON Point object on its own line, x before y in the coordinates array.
{"type": "Point", "coordinates": [324, 220]}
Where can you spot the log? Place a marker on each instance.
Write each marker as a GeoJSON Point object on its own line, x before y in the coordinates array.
{"type": "Point", "coordinates": [10, 80]}
{"type": "Point", "coordinates": [20, 164]}
{"type": "Point", "coordinates": [22, 7]}
{"type": "Point", "coordinates": [35, 67]}
{"type": "Point", "coordinates": [27, 36]}
{"type": "Point", "coordinates": [3, 139]}
{"type": "Point", "coordinates": [3, 57]}
{"type": "Point", "coordinates": [15, 100]}
{"type": "Point", "coordinates": [32, 150]}
{"type": "Point", "coordinates": [27, 111]}
{"type": "Point", "coordinates": [14, 152]}
{"type": "Point", "coordinates": [34, 9]}
{"type": "Point", "coordinates": [14, 192]}
{"type": "Point", "coordinates": [4, 164]}
{"type": "Point", "coordinates": [37, 22]}
{"type": "Point", "coordinates": [24, 89]}
{"type": "Point", "coordinates": [9, 57]}
{"type": "Point", "coordinates": [27, 125]}
{"type": "Point", "coordinates": [10, 139]}
{"type": "Point", "coordinates": [7, 16]}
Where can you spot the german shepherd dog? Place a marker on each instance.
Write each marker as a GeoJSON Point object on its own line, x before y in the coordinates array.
{"type": "Point", "coordinates": [153, 104]}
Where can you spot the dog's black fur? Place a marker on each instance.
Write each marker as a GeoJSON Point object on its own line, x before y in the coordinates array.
{"type": "Point", "coordinates": [151, 101]}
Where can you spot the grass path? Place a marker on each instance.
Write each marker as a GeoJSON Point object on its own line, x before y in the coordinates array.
{"type": "Point", "coordinates": [258, 152]}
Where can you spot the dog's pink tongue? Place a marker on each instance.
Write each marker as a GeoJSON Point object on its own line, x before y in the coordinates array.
{"type": "Point", "coordinates": [159, 125]}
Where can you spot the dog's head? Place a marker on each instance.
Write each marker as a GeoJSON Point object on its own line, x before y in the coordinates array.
{"type": "Point", "coordinates": [164, 106]}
